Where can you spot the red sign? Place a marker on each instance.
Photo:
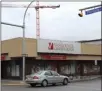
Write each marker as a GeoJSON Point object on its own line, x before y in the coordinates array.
{"type": "Point", "coordinates": [60, 46]}
{"type": "Point", "coordinates": [54, 57]}
{"type": "Point", "coordinates": [3, 57]}
{"type": "Point", "coordinates": [50, 46]}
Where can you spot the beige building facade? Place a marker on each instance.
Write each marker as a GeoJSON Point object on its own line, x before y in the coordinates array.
{"type": "Point", "coordinates": [68, 58]}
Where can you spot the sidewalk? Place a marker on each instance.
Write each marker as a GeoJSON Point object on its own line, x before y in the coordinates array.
{"type": "Point", "coordinates": [20, 83]}
{"type": "Point", "coordinates": [12, 83]}
{"type": "Point", "coordinates": [84, 78]}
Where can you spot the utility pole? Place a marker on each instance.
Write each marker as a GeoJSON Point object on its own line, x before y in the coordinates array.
{"type": "Point", "coordinates": [23, 42]}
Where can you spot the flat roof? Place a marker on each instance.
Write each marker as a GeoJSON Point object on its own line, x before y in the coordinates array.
{"type": "Point", "coordinates": [82, 41]}
{"type": "Point", "coordinates": [90, 40]}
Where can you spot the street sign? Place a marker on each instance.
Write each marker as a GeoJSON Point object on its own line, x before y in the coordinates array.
{"type": "Point", "coordinates": [93, 10]}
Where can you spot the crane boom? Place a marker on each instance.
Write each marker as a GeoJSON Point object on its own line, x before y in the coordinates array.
{"type": "Point", "coordinates": [25, 6]}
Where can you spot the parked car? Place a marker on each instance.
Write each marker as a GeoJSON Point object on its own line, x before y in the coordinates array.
{"type": "Point", "coordinates": [46, 77]}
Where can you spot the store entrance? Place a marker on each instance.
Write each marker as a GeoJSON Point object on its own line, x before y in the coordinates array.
{"type": "Point", "coordinates": [4, 69]}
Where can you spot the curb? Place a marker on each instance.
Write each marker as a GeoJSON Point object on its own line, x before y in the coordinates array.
{"type": "Point", "coordinates": [73, 81]}
{"type": "Point", "coordinates": [14, 84]}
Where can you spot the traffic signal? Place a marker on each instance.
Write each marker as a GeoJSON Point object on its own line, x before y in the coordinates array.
{"type": "Point", "coordinates": [81, 14]}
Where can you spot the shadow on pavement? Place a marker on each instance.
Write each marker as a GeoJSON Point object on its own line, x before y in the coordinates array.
{"type": "Point", "coordinates": [39, 86]}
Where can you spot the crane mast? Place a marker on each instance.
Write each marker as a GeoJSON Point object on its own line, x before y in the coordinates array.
{"type": "Point", "coordinates": [37, 21]}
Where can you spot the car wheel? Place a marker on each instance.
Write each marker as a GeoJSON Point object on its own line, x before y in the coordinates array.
{"type": "Point", "coordinates": [32, 84]}
{"type": "Point", "coordinates": [44, 83]}
{"type": "Point", "coordinates": [65, 81]}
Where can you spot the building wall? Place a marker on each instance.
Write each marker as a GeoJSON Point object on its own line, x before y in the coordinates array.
{"type": "Point", "coordinates": [91, 49]}
{"type": "Point", "coordinates": [14, 47]}
{"type": "Point", "coordinates": [31, 47]}
{"type": "Point", "coordinates": [83, 57]}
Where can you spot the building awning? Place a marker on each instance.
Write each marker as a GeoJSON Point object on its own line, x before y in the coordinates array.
{"type": "Point", "coordinates": [68, 57]}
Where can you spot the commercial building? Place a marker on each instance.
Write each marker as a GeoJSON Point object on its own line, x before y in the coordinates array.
{"type": "Point", "coordinates": [66, 57]}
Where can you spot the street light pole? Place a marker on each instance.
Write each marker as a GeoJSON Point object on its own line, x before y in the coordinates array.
{"type": "Point", "coordinates": [23, 41]}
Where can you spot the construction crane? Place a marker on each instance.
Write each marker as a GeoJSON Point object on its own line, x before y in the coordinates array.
{"type": "Point", "coordinates": [91, 11]}
{"type": "Point", "coordinates": [37, 7]}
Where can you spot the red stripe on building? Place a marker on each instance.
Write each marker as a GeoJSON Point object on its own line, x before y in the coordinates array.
{"type": "Point", "coordinates": [54, 57]}
{"type": "Point", "coordinates": [3, 57]}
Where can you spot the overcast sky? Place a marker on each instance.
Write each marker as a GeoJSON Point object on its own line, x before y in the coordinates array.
{"type": "Point", "coordinates": [59, 24]}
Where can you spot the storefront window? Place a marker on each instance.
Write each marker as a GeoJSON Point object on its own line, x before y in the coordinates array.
{"type": "Point", "coordinates": [91, 69]}
{"type": "Point", "coordinates": [51, 67]}
{"type": "Point", "coordinates": [85, 68]}
{"type": "Point", "coordinates": [68, 68]}
{"type": "Point", "coordinates": [65, 69]}
{"type": "Point", "coordinates": [72, 68]}
{"type": "Point", "coordinates": [15, 69]}
{"type": "Point", "coordinates": [8, 71]}
{"type": "Point", "coordinates": [36, 68]}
